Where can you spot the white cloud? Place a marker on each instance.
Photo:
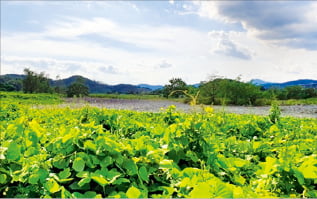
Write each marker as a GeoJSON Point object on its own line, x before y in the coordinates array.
{"type": "Point", "coordinates": [113, 51]}
{"type": "Point", "coordinates": [226, 46]}
{"type": "Point", "coordinates": [288, 23]}
{"type": "Point", "coordinates": [165, 64]}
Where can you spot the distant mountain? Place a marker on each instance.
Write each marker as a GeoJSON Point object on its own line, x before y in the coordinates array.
{"type": "Point", "coordinates": [8, 77]}
{"type": "Point", "coordinates": [94, 86]}
{"type": "Point", "coordinates": [98, 87]}
{"type": "Point", "coordinates": [14, 82]}
{"type": "Point", "coordinates": [195, 85]}
{"type": "Point", "coordinates": [152, 87]}
{"type": "Point", "coordinates": [306, 83]}
{"type": "Point", "coordinates": [156, 87]}
{"type": "Point", "coordinates": [259, 82]}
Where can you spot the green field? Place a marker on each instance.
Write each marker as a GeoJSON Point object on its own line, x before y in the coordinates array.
{"type": "Point", "coordinates": [91, 152]}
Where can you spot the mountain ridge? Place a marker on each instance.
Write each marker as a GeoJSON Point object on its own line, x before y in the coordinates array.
{"type": "Point", "coordinates": [99, 87]}
{"type": "Point", "coordinates": [306, 83]}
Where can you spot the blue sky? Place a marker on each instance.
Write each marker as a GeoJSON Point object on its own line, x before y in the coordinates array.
{"type": "Point", "coordinates": [153, 41]}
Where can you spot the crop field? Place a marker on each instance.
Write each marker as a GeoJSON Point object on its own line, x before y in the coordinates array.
{"type": "Point", "coordinates": [91, 152]}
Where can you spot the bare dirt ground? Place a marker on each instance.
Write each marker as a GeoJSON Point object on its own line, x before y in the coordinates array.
{"type": "Point", "coordinates": [309, 111]}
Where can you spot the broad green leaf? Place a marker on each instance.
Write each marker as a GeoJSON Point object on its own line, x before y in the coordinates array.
{"type": "Point", "coordinates": [90, 194]}
{"type": "Point", "coordinates": [30, 151]}
{"type": "Point", "coordinates": [143, 174]}
{"type": "Point", "coordinates": [202, 190]}
{"type": "Point", "coordinates": [239, 162]}
{"type": "Point", "coordinates": [106, 161]}
{"type": "Point", "coordinates": [308, 168]}
{"type": "Point", "coordinates": [100, 180]}
{"type": "Point", "coordinates": [33, 179]}
{"type": "Point", "coordinates": [133, 192]}
{"type": "Point", "coordinates": [75, 186]}
{"type": "Point", "coordinates": [120, 181]}
{"type": "Point", "coordinates": [222, 191]}
{"type": "Point", "coordinates": [130, 167]}
{"type": "Point", "coordinates": [36, 127]}
{"type": "Point", "coordinates": [239, 179]}
{"type": "Point", "coordinates": [113, 173]}
{"type": "Point", "coordinates": [299, 176]}
{"type": "Point", "coordinates": [65, 193]}
{"type": "Point", "coordinates": [78, 164]}
{"type": "Point", "coordinates": [166, 164]}
{"type": "Point", "coordinates": [33, 138]}
{"type": "Point", "coordinates": [84, 181]}
{"type": "Point", "coordinates": [64, 174]}
{"type": "Point", "coordinates": [61, 163]}
{"type": "Point", "coordinates": [83, 174]}
{"type": "Point", "coordinates": [90, 145]}
{"type": "Point", "coordinates": [52, 186]}
{"type": "Point", "coordinates": [65, 180]}
{"type": "Point", "coordinates": [3, 178]}
{"type": "Point", "coordinates": [13, 151]}
{"type": "Point", "coordinates": [67, 137]}
{"type": "Point", "coordinates": [43, 174]}
{"type": "Point", "coordinates": [78, 195]}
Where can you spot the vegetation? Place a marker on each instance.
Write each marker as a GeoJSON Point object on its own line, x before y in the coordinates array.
{"type": "Point", "coordinates": [227, 91]}
{"type": "Point", "coordinates": [175, 84]}
{"type": "Point", "coordinates": [216, 91]}
{"type": "Point", "coordinates": [28, 99]}
{"type": "Point", "coordinates": [78, 88]}
{"type": "Point", "coordinates": [35, 83]}
{"type": "Point", "coordinates": [91, 152]}
{"type": "Point", "coordinates": [12, 83]}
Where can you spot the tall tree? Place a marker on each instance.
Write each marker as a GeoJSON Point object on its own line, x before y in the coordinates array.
{"type": "Point", "coordinates": [175, 84]}
{"type": "Point", "coordinates": [77, 88]}
{"type": "Point", "coordinates": [35, 83]}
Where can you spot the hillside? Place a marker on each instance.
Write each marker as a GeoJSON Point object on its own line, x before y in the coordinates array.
{"type": "Point", "coordinates": [306, 83]}
{"type": "Point", "coordinates": [13, 82]}
{"type": "Point", "coordinates": [94, 86]}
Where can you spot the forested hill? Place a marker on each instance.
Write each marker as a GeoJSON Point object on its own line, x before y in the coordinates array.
{"type": "Point", "coordinates": [306, 83]}
{"type": "Point", "coordinates": [14, 82]}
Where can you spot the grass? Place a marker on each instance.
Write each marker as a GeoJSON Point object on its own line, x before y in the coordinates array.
{"type": "Point", "coordinates": [27, 98]}
{"type": "Point", "coordinates": [308, 101]}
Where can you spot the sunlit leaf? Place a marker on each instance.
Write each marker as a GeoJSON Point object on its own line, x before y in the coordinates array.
{"type": "Point", "coordinates": [133, 192]}
{"type": "Point", "coordinates": [52, 186]}
{"type": "Point", "coordinates": [78, 164]}
{"type": "Point", "coordinates": [143, 173]}
{"type": "Point", "coordinates": [13, 151]}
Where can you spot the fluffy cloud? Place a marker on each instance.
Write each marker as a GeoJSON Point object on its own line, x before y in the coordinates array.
{"type": "Point", "coordinates": [226, 46]}
{"type": "Point", "coordinates": [288, 23]}
{"type": "Point", "coordinates": [108, 69]}
{"type": "Point", "coordinates": [165, 64]}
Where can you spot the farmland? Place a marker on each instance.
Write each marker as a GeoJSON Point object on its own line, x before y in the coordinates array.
{"type": "Point", "coordinates": [85, 151]}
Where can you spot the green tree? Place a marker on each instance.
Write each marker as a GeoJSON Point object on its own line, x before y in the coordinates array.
{"type": "Point", "coordinates": [223, 91]}
{"type": "Point", "coordinates": [35, 83]}
{"type": "Point", "coordinates": [295, 92]}
{"type": "Point", "coordinates": [310, 92]}
{"type": "Point", "coordinates": [175, 84]}
{"type": "Point", "coordinates": [77, 88]}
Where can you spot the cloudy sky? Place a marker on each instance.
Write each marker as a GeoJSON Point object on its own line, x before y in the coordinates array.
{"type": "Point", "coordinates": [153, 41]}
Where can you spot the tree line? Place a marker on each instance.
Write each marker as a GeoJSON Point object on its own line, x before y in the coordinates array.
{"type": "Point", "coordinates": [217, 90]}
{"type": "Point", "coordinates": [220, 90]}
{"type": "Point", "coordinates": [40, 83]}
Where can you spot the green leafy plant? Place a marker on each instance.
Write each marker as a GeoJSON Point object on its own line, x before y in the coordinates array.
{"type": "Point", "coordinates": [52, 152]}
